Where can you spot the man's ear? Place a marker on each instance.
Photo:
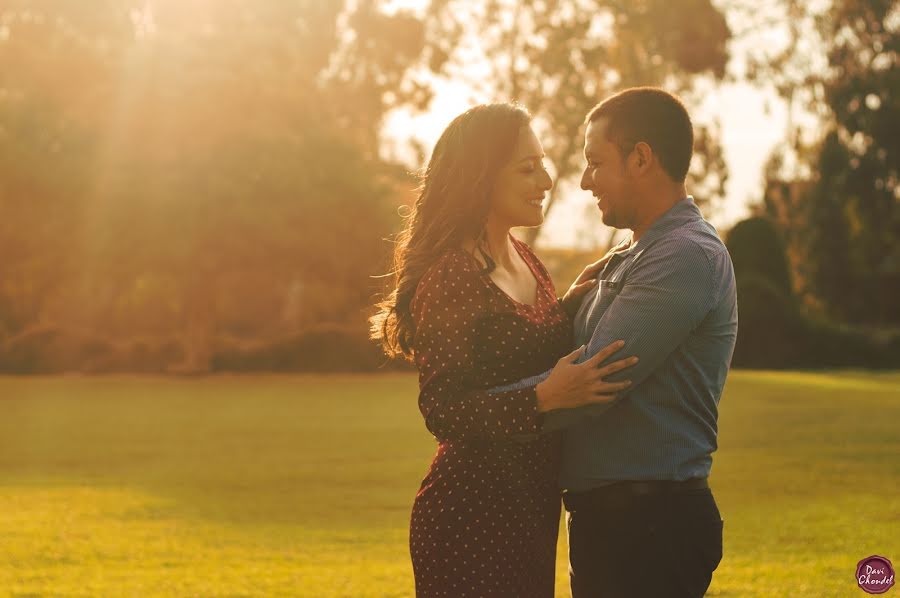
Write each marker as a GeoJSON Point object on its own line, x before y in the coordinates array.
{"type": "Point", "coordinates": [642, 156]}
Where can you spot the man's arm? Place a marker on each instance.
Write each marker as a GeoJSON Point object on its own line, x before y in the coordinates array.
{"type": "Point", "coordinates": [668, 292]}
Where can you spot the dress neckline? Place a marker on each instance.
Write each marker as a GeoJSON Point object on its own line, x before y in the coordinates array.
{"type": "Point", "coordinates": [538, 291]}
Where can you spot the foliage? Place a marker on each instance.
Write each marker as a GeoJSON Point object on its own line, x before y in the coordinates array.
{"type": "Point", "coordinates": [177, 170]}
{"type": "Point", "coordinates": [757, 250]}
{"type": "Point", "coordinates": [835, 194]}
{"type": "Point", "coordinates": [773, 329]}
{"type": "Point", "coordinates": [321, 348]}
{"type": "Point", "coordinates": [559, 58]}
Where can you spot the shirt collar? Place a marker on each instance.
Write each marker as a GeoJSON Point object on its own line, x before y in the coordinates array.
{"type": "Point", "coordinates": [681, 213]}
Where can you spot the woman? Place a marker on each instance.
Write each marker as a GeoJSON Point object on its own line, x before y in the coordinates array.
{"type": "Point", "coordinates": [476, 309]}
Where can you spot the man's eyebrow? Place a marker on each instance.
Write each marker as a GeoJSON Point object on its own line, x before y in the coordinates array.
{"type": "Point", "coordinates": [531, 157]}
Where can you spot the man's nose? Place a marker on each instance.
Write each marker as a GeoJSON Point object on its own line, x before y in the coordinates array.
{"type": "Point", "coordinates": [586, 181]}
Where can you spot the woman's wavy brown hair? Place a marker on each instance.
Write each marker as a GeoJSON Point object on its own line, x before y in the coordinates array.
{"type": "Point", "coordinates": [452, 206]}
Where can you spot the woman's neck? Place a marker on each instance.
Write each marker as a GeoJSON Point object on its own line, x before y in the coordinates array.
{"type": "Point", "coordinates": [496, 243]}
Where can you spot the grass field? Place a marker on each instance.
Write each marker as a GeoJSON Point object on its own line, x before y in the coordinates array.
{"type": "Point", "coordinates": [301, 486]}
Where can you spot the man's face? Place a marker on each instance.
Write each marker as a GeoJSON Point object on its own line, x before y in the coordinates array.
{"type": "Point", "coordinates": [606, 177]}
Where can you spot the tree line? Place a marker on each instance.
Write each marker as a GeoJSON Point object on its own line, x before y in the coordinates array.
{"type": "Point", "coordinates": [190, 189]}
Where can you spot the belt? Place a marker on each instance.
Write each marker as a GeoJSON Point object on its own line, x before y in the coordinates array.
{"type": "Point", "coordinates": [624, 492]}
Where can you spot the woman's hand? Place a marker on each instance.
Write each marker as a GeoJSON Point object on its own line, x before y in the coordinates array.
{"type": "Point", "coordinates": [573, 384]}
{"type": "Point", "coordinates": [587, 279]}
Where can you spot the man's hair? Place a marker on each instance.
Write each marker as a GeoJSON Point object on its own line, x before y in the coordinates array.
{"type": "Point", "coordinates": [654, 116]}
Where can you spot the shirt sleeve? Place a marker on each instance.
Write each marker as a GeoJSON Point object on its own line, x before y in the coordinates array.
{"type": "Point", "coordinates": [667, 294]}
{"type": "Point", "coordinates": [449, 303]}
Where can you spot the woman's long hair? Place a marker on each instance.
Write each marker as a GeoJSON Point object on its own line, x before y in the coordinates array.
{"type": "Point", "coordinates": [452, 206]}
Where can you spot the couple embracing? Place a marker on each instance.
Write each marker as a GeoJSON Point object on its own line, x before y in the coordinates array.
{"type": "Point", "coordinates": [622, 429]}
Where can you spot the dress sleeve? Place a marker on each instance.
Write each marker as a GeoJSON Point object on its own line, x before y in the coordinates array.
{"type": "Point", "coordinates": [449, 303]}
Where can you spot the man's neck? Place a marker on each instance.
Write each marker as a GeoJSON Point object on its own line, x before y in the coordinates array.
{"type": "Point", "coordinates": [656, 205]}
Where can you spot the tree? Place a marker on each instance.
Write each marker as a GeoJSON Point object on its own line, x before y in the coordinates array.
{"type": "Point", "coordinates": [757, 251]}
{"type": "Point", "coordinates": [188, 149]}
{"type": "Point", "coordinates": [835, 193]}
{"type": "Point", "coordinates": [559, 58]}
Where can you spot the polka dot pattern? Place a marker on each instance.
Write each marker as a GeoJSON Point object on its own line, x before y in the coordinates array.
{"type": "Point", "coordinates": [485, 520]}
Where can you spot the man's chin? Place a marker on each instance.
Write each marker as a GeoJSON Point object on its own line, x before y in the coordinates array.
{"type": "Point", "coordinates": [608, 219]}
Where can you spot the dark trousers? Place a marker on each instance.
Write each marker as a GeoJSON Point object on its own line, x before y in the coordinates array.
{"type": "Point", "coordinates": [659, 545]}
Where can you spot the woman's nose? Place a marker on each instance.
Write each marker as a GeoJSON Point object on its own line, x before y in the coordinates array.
{"type": "Point", "coordinates": [547, 183]}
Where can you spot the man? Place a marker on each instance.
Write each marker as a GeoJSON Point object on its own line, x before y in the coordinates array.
{"type": "Point", "coordinates": [642, 520]}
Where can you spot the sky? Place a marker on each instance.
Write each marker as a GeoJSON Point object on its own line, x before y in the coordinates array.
{"type": "Point", "coordinates": [752, 121]}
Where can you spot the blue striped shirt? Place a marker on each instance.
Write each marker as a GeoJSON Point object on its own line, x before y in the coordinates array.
{"type": "Point", "coordinates": [671, 296]}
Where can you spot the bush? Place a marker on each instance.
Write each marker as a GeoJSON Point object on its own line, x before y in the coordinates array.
{"type": "Point", "coordinates": [840, 346]}
{"type": "Point", "coordinates": [771, 329]}
{"type": "Point", "coordinates": [147, 356]}
{"type": "Point", "coordinates": [758, 251]}
{"type": "Point", "coordinates": [773, 332]}
{"type": "Point", "coordinates": [50, 349]}
{"type": "Point", "coordinates": [323, 348]}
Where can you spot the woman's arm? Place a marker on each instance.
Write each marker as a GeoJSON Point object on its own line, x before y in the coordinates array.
{"type": "Point", "coordinates": [449, 303]}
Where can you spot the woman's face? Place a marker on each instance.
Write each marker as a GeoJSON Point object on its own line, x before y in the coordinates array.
{"type": "Point", "coordinates": [518, 194]}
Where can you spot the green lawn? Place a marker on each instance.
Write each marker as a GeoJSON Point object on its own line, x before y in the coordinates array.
{"type": "Point", "coordinates": [301, 486]}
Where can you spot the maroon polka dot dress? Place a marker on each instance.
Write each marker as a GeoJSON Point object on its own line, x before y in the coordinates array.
{"type": "Point", "coordinates": [485, 521]}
